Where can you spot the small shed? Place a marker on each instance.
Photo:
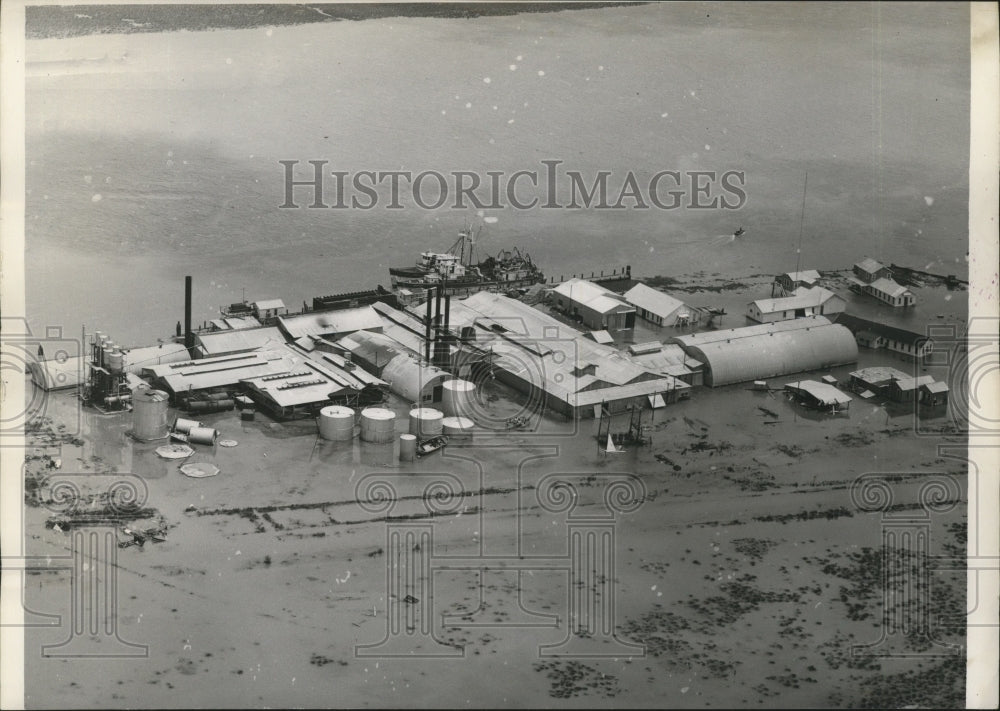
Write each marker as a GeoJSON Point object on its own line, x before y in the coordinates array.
{"type": "Point", "coordinates": [934, 394]}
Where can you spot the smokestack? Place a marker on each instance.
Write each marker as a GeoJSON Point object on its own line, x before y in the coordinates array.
{"type": "Point", "coordinates": [427, 329]}
{"type": "Point", "coordinates": [447, 313]}
{"type": "Point", "coordinates": [437, 314]}
{"type": "Point", "coordinates": [188, 335]}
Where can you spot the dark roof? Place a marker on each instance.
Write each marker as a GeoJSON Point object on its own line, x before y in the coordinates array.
{"type": "Point", "coordinates": [856, 324]}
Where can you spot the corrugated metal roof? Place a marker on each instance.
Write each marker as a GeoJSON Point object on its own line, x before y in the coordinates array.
{"type": "Point", "coordinates": [592, 295]}
{"type": "Point", "coordinates": [307, 384]}
{"type": "Point", "coordinates": [732, 334]}
{"type": "Point", "coordinates": [138, 358]}
{"type": "Point", "coordinates": [914, 383]}
{"type": "Point", "coordinates": [212, 373]}
{"type": "Point", "coordinates": [240, 322]}
{"type": "Point", "coordinates": [774, 352]}
{"type": "Point", "coordinates": [653, 300]}
{"type": "Point", "coordinates": [375, 349]}
{"type": "Point", "coordinates": [937, 387]}
{"type": "Point", "coordinates": [331, 323]}
{"type": "Point", "coordinates": [602, 337]}
{"type": "Point", "coordinates": [409, 378]}
{"type": "Point", "coordinates": [56, 375]}
{"type": "Point", "coordinates": [897, 334]}
{"type": "Point", "coordinates": [243, 340]}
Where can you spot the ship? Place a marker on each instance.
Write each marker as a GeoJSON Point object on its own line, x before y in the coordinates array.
{"type": "Point", "coordinates": [458, 272]}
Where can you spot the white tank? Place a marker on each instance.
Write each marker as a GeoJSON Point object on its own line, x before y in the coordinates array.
{"type": "Point", "coordinates": [458, 426]}
{"type": "Point", "coordinates": [378, 425]}
{"type": "Point", "coordinates": [425, 421]}
{"type": "Point", "coordinates": [116, 361]}
{"type": "Point", "coordinates": [336, 423]}
{"type": "Point", "coordinates": [407, 447]}
{"type": "Point", "coordinates": [456, 398]}
{"type": "Point", "coordinates": [149, 414]}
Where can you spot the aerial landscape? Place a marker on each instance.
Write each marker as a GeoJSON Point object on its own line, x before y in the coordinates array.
{"type": "Point", "coordinates": [497, 354]}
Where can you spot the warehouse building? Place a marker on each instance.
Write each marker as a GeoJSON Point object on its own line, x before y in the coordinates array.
{"type": "Point", "coordinates": [804, 301]}
{"type": "Point", "coordinates": [908, 345]}
{"type": "Point", "coordinates": [889, 292]}
{"type": "Point", "coordinates": [768, 350]}
{"type": "Point", "coordinates": [220, 372]}
{"type": "Point", "coordinates": [594, 306]}
{"type": "Point", "coordinates": [668, 359]}
{"type": "Point", "coordinates": [660, 308]}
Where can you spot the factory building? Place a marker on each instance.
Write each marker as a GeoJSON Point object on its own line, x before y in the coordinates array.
{"type": "Point", "coordinates": [738, 355]}
{"type": "Point", "coordinates": [804, 301]}
{"type": "Point", "coordinates": [594, 306]}
{"type": "Point", "coordinates": [220, 372]}
{"type": "Point", "coordinates": [555, 365]}
{"type": "Point", "coordinates": [301, 390]}
{"type": "Point", "coordinates": [875, 380]}
{"type": "Point", "coordinates": [58, 374]}
{"type": "Point", "coordinates": [659, 308]}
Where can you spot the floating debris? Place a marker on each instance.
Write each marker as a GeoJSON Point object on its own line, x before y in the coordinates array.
{"type": "Point", "coordinates": [200, 470]}
{"type": "Point", "coordinates": [228, 443]}
{"type": "Point", "coordinates": [174, 451]}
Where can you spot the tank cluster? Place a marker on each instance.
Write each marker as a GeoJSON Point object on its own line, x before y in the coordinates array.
{"type": "Point", "coordinates": [107, 386]}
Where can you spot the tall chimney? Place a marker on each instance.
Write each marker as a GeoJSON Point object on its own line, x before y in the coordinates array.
{"type": "Point", "coordinates": [427, 329]}
{"type": "Point", "coordinates": [188, 335]}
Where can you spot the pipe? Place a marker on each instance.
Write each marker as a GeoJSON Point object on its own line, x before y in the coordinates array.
{"type": "Point", "coordinates": [188, 335]}
{"type": "Point", "coordinates": [447, 313]}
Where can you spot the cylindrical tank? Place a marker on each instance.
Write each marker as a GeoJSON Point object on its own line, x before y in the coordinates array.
{"type": "Point", "coordinates": [378, 425]}
{"type": "Point", "coordinates": [218, 396]}
{"type": "Point", "coordinates": [211, 405]}
{"type": "Point", "coordinates": [336, 423]}
{"type": "Point", "coordinates": [407, 447]}
{"type": "Point", "coordinates": [116, 361]}
{"type": "Point", "coordinates": [202, 435]}
{"type": "Point", "coordinates": [425, 421]}
{"type": "Point", "coordinates": [456, 398]}
{"type": "Point", "coordinates": [185, 426]}
{"type": "Point", "coordinates": [458, 426]}
{"type": "Point", "coordinates": [149, 414]}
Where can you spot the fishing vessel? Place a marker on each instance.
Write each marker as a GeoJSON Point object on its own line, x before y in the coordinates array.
{"type": "Point", "coordinates": [458, 271]}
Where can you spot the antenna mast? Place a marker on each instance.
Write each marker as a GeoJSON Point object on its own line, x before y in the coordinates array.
{"type": "Point", "coordinates": [802, 222]}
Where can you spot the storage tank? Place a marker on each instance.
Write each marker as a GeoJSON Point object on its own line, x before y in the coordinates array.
{"type": "Point", "coordinates": [458, 426]}
{"type": "Point", "coordinates": [149, 413]}
{"type": "Point", "coordinates": [407, 447]}
{"type": "Point", "coordinates": [425, 421]}
{"type": "Point", "coordinates": [456, 398]}
{"type": "Point", "coordinates": [336, 423]}
{"type": "Point", "coordinates": [378, 425]}
{"type": "Point", "coordinates": [116, 361]}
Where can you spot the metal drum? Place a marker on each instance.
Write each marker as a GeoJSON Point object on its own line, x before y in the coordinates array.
{"type": "Point", "coordinates": [456, 398]}
{"type": "Point", "coordinates": [425, 421]}
{"type": "Point", "coordinates": [116, 361]}
{"type": "Point", "coordinates": [336, 423]}
{"type": "Point", "coordinates": [185, 426]}
{"type": "Point", "coordinates": [378, 425]}
{"type": "Point", "coordinates": [202, 435]}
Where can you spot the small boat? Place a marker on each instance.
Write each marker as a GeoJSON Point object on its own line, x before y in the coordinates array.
{"type": "Point", "coordinates": [517, 423]}
{"type": "Point", "coordinates": [739, 233]}
{"type": "Point", "coordinates": [431, 445]}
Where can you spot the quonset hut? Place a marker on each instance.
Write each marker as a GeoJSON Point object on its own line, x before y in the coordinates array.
{"type": "Point", "coordinates": [737, 355]}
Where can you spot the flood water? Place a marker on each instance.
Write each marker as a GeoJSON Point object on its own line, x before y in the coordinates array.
{"type": "Point", "coordinates": [152, 156]}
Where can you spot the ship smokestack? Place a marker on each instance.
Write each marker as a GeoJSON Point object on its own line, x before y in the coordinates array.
{"type": "Point", "coordinates": [188, 335]}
